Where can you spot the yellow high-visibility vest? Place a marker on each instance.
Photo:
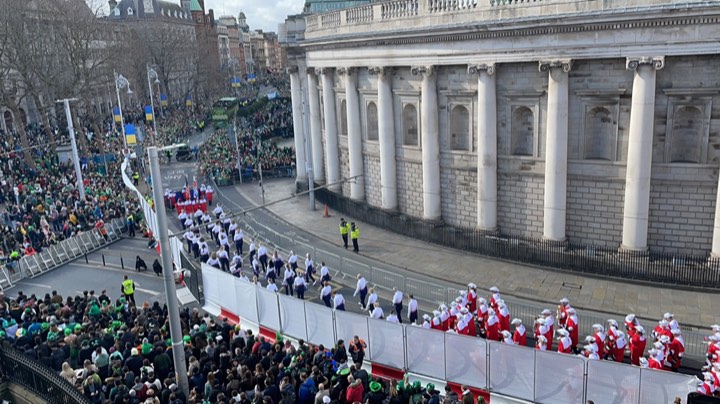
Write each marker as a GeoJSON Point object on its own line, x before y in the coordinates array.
{"type": "Point", "coordinates": [355, 233]}
{"type": "Point", "coordinates": [128, 286]}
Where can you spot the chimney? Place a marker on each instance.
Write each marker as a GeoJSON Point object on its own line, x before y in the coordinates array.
{"type": "Point", "coordinates": [211, 17]}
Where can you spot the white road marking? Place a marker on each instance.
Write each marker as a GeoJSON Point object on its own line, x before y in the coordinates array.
{"type": "Point", "coordinates": [148, 291]}
{"type": "Point", "coordinates": [37, 285]}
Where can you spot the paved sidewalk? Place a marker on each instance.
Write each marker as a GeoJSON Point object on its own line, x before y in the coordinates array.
{"type": "Point", "coordinates": [617, 297]}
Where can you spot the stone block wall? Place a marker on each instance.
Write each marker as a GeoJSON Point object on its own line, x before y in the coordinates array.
{"type": "Point", "coordinates": [595, 211]}
{"type": "Point", "coordinates": [681, 217]}
{"type": "Point", "coordinates": [373, 193]}
{"type": "Point", "coordinates": [520, 204]}
{"type": "Point", "coordinates": [458, 189]}
{"type": "Point", "coordinates": [409, 186]}
{"type": "Point", "coordinates": [345, 168]}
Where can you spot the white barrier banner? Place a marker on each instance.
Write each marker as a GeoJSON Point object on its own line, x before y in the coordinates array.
{"type": "Point", "coordinates": [387, 343]}
{"type": "Point", "coordinates": [268, 314]}
{"type": "Point", "coordinates": [320, 324]}
{"type": "Point", "coordinates": [292, 317]}
{"type": "Point", "coordinates": [211, 286]}
{"type": "Point", "coordinates": [512, 370]}
{"type": "Point", "coordinates": [558, 378]}
{"type": "Point", "coordinates": [427, 353]}
{"type": "Point", "coordinates": [226, 284]}
{"type": "Point", "coordinates": [613, 383]}
{"type": "Point", "coordinates": [348, 325]}
{"type": "Point", "coordinates": [246, 306]}
{"type": "Point", "coordinates": [658, 386]}
{"type": "Point", "coordinates": [466, 360]}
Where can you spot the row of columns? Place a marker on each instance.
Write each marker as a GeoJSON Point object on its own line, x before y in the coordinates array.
{"type": "Point", "coordinates": [639, 160]}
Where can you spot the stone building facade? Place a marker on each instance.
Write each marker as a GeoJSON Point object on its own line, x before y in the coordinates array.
{"type": "Point", "coordinates": [552, 119]}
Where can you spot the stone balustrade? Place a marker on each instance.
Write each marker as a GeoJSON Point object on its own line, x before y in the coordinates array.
{"type": "Point", "coordinates": [359, 14]}
{"type": "Point", "coordinates": [384, 15]}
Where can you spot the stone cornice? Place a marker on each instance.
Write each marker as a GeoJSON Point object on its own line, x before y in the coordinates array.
{"type": "Point", "coordinates": [692, 91]}
{"type": "Point", "coordinates": [481, 31]}
{"type": "Point", "coordinates": [488, 68]}
{"type": "Point", "coordinates": [657, 62]}
{"type": "Point", "coordinates": [292, 69]}
{"type": "Point", "coordinates": [546, 65]}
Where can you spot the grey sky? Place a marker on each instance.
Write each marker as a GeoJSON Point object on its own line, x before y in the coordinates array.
{"type": "Point", "coordinates": [261, 14]}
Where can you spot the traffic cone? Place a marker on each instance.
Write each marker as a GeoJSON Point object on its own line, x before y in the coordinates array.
{"type": "Point", "coordinates": [326, 213]}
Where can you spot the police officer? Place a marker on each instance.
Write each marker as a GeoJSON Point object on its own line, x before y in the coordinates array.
{"type": "Point", "coordinates": [136, 178]}
{"type": "Point", "coordinates": [131, 225]}
{"type": "Point", "coordinates": [355, 235]}
{"type": "Point", "coordinates": [344, 232]}
{"type": "Point", "coordinates": [128, 289]}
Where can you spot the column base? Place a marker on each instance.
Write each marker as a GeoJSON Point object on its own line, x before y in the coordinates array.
{"type": "Point", "coordinates": [634, 251]}
{"type": "Point", "coordinates": [561, 242]}
{"type": "Point", "coordinates": [495, 231]}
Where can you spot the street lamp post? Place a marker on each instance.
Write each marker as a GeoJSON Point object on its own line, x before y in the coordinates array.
{"type": "Point", "coordinates": [178, 351]}
{"type": "Point", "coordinates": [73, 144]}
{"type": "Point", "coordinates": [152, 74]}
{"type": "Point", "coordinates": [121, 82]}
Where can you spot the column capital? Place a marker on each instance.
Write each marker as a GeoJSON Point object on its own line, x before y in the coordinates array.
{"type": "Point", "coordinates": [379, 70]}
{"type": "Point", "coordinates": [564, 64]}
{"type": "Point", "coordinates": [488, 68]}
{"type": "Point", "coordinates": [346, 70]}
{"type": "Point", "coordinates": [324, 70]}
{"type": "Point", "coordinates": [292, 69]}
{"type": "Point", "coordinates": [657, 62]}
{"type": "Point", "coordinates": [424, 70]}
{"type": "Point", "coordinates": [310, 70]}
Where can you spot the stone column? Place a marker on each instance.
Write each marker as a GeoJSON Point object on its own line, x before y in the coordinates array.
{"type": "Point", "coordinates": [331, 134]}
{"type": "Point", "coordinates": [352, 102]}
{"type": "Point", "coordinates": [487, 147]}
{"type": "Point", "coordinates": [430, 143]}
{"type": "Point", "coordinates": [299, 132]}
{"type": "Point", "coordinates": [318, 161]}
{"type": "Point", "coordinates": [386, 135]}
{"type": "Point", "coordinates": [556, 149]}
{"type": "Point", "coordinates": [639, 159]}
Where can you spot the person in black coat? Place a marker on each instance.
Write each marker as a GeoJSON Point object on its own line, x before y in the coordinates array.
{"type": "Point", "coordinates": [140, 264]}
{"type": "Point", "coordinates": [157, 267]}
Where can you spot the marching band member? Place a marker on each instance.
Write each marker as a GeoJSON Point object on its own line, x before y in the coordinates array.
{"type": "Point", "coordinates": [618, 353]}
{"type": "Point", "coordinates": [637, 344]}
{"type": "Point", "coordinates": [677, 349]}
{"type": "Point", "coordinates": [564, 342]}
{"type": "Point", "coordinates": [507, 338]}
{"type": "Point", "coordinates": [562, 311]}
{"type": "Point", "coordinates": [472, 297]}
{"type": "Point", "coordinates": [520, 335]}
{"type": "Point", "coordinates": [492, 327]}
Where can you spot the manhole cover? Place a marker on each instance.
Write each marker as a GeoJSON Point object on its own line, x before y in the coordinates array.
{"type": "Point", "coordinates": [571, 285]}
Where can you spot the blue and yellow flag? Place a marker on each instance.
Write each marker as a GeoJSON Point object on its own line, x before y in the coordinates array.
{"type": "Point", "coordinates": [148, 113]}
{"type": "Point", "coordinates": [235, 82]}
{"type": "Point", "coordinates": [116, 114]}
{"type": "Point", "coordinates": [251, 78]}
{"type": "Point", "coordinates": [163, 100]}
{"type": "Point", "coordinates": [188, 101]}
{"type": "Point", "coordinates": [130, 134]}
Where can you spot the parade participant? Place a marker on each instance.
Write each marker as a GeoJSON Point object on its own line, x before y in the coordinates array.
{"type": "Point", "coordinates": [324, 272]}
{"type": "Point", "coordinates": [445, 317]}
{"type": "Point", "coordinates": [288, 280]}
{"type": "Point", "coordinates": [618, 353]}
{"type": "Point", "coordinates": [494, 297]}
{"type": "Point", "coordinates": [224, 259]}
{"type": "Point", "coordinates": [564, 343]}
{"type": "Point", "coordinates": [397, 301]}
{"type": "Point", "coordinates": [263, 256]}
{"type": "Point", "coordinates": [482, 313]}
{"type": "Point", "coordinates": [637, 344]}
{"type": "Point", "coordinates": [655, 360]}
{"type": "Point", "coordinates": [503, 315]}
{"type": "Point", "coordinates": [707, 386]}
{"type": "Point", "coordinates": [542, 329]}
{"type": "Point", "coordinates": [572, 325]}
{"type": "Point", "coordinates": [325, 294]}
{"type": "Point", "coordinates": [377, 312]}
{"type": "Point", "coordinates": [362, 289]}
{"type": "Point", "coordinates": [293, 260]}
{"type": "Point", "coordinates": [393, 318]}
{"type": "Point", "coordinates": [591, 352]}
{"type": "Point", "coordinates": [541, 343]}
{"type": "Point", "coordinates": [562, 311]}
{"type": "Point", "coordinates": [520, 334]}
{"type": "Point", "coordinates": [181, 217]}
{"type": "Point", "coordinates": [413, 311]}
{"type": "Point", "coordinates": [271, 286]}
{"type": "Point", "coordinates": [427, 321]}
{"type": "Point", "coordinates": [338, 301]}
{"type": "Point", "coordinates": [492, 327]}
{"type": "Point", "coordinates": [300, 286]}
{"type": "Point", "coordinates": [472, 297]}
{"type": "Point", "coordinates": [436, 323]}
{"type": "Point", "coordinates": [507, 338]}
{"type": "Point", "coordinates": [631, 324]}
{"type": "Point", "coordinates": [309, 269]}
{"type": "Point", "coordinates": [661, 329]}
{"type": "Point", "coordinates": [599, 335]}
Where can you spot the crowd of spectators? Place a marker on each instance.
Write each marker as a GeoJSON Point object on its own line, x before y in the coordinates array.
{"type": "Point", "coordinates": [273, 120]}
{"type": "Point", "coordinates": [115, 352]}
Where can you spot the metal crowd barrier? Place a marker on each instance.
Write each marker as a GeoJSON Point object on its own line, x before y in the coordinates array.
{"type": "Point", "coordinates": [519, 372]}
{"type": "Point", "coordinates": [384, 278]}
{"type": "Point", "coordinates": [61, 253]}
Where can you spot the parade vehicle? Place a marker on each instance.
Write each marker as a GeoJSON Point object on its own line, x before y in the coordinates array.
{"type": "Point", "coordinates": [224, 110]}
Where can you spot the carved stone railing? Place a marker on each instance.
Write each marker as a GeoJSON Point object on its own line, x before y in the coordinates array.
{"type": "Point", "coordinates": [359, 14]}
{"type": "Point", "coordinates": [399, 9]}
{"type": "Point", "coordinates": [453, 12]}
{"type": "Point", "coordinates": [331, 19]}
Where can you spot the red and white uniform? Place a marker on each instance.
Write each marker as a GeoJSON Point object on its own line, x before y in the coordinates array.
{"type": "Point", "coordinates": [482, 314]}
{"type": "Point", "coordinates": [520, 335]}
{"type": "Point", "coordinates": [600, 341]}
{"type": "Point", "coordinates": [706, 388]}
{"type": "Point", "coordinates": [470, 320]}
{"type": "Point", "coordinates": [572, 326]}
{"type": "Point", "coordinates": [661, 330]}
{"type": "Point", "coordinates": [436, 323]}
{"type": "Point", "coordinates": [462, 327]}
{"type": "Point", "coordinates": [655, 363]}
{"type": "Point", "coordinates": [618, 351]}
{"type": "Point", "coordinates": [472, 300]}
{"type": "Point", "coordinates": [565, 345]}
{"type": "Point", "coordinates": [637, 348]}
{"type": "Point", "coordinates": [544, 330]}
{"type": "Point", "coordinates": [492, 328]}
{"type": "Point", "coordinates": [677, 351]}
{"type": "Point", "coordinates": [494, 300]}
{"type": "Point", "coordinates": [504, 317]}
{"type": "Point", "coordinates": [563, 314]}
{"type": "Point", "coordinates": [445, 319]}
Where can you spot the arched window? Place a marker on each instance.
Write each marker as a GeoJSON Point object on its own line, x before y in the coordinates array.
{"type": "Point", "coordinates": [523, 132]}
{"type": "Point", "coordinates": [8, 121]}
{"type": "Point", "coordinates": [460, 128]}
{"type": "Point", "coordinates": [130, 11]}
{"type": "Point", "coordinates": [410, 125]}
{"type": "Point", "coordinates": [343, 118]}
{"type": "Point", "coordinates": [599, 134]}
{"type": "Point", "coordinates": [686, 135]}
{"type": "Point", "coordinates": [372, 121]}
